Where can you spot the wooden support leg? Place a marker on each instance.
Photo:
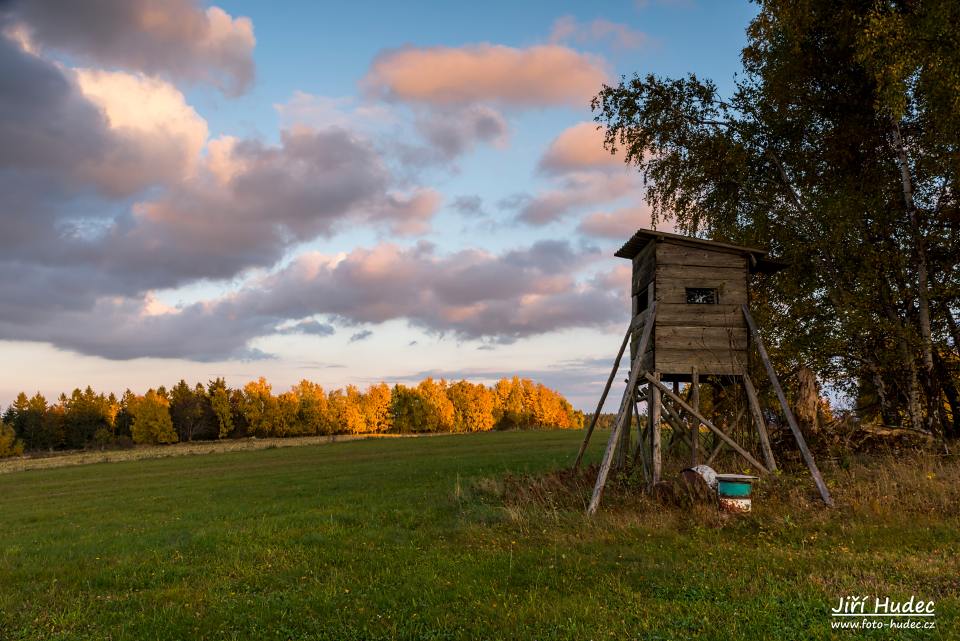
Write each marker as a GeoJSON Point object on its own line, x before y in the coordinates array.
{"type": "Point", "coordinates": [760, 424]}
{"type": "Point", "coordinates": [628, 395]}
{"type": "Point", "coordinates": [694, 423]}
{"type": "Point", "coordinates": [707, 423]}
{"type": "Point", "coordinates": [640, 453]}
{"type": "Point", "coordinates": [621, 457]}
{"type": "Point", "coordinates": [654, 413]}
{"type": "Point", "coordinates": [607, 462]}
{"type": "Point", "coordinates": [603, 397]}
{"type": "Point", "coordinates": [791, 421]}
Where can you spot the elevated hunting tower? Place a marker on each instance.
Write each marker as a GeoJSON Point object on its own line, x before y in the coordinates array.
{"type": "Point", "coordinates": [690, 318]}
{"type": "Point", "coordinates": [700, 287]}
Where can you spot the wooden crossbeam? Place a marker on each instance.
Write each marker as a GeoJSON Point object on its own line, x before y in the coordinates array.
{"type": "Point", "coordinates": [721, 444]}
{"type": "Point", "coordinates": [713, 428]}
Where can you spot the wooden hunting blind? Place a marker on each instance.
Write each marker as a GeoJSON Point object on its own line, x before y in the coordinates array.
{"type": "Point", "coordinates": [690, 318]}
{"type": "Point", "coordinates": [700, 287]}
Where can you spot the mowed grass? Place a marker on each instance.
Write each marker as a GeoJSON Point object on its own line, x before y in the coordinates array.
{"type": "Point", "coordinates": [405, 539]}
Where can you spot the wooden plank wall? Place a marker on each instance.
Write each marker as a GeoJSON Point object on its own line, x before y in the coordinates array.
{"type": "Point", "coordinates": [712, 338]}
{"type": "Point", "coordinates": [644, 272]}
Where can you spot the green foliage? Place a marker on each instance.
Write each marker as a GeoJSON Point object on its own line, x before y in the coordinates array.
{"type": "Point", "coordinates": [151, 419]}
{"type": "Point", "coordinates": [407, 408]}
{"type": "Point", "coordinates": [83, 414]}
{"type": "Point", "coordinates": [220, 407]}
{"type": "Point", "coordinates": [124, 420]}
{"type": "Point", "coordinates": [102, 438]}
{"type": "Point", "coordinates": [836, 150]}
{"type": "Point", "coordinates": [192, 413]}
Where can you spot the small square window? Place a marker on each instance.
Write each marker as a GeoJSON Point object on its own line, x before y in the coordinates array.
{"type": "Point", "coordinates": [701, 296]}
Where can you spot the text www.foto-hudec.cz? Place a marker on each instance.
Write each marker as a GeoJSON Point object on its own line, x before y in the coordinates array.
{"type": "Point", "coordinates": [865, 613]}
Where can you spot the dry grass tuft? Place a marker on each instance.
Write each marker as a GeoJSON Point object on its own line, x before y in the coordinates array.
{"type": "Point", "coordinates": [873, 487]}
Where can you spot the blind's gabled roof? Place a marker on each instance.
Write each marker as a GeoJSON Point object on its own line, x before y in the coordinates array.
{"type": "Point", "coordinates": [758, 263]}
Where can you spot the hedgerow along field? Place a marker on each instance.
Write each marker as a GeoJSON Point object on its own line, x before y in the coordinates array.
{"type": "Point", "coordinates": [456, 537]}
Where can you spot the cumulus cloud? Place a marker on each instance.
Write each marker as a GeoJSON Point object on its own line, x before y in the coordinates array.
{"type": "Point", "coordinates": [361, 336]}
{"type": "Point", "coordinates": [117, 132]}
{"type": "Point", "coordinates": [157, 136]}
{"type": "Point", "coordinates": [107, 194]}
{"type": "Point", "coordinates": [618, 224]}
{"type": "Point", "coordinates": [442, 135]}
{"type": "Point", "coordinates": [537, 76]}
{"type": "Point", "coordinates": [574, 191]}
{"type": "Point", "coordinates": [419, 136]}
{"type": "Point", "coordinates": [113, 189]}
{"type": "Point", "coordinates": [582, 175]}
{"type": "Point", "coordinates": [121, 328]}
{"type": "Point", "coordinates": [310, 327]}
{"type": "Point", "coordinates": [174, 38]}
{"type": "Point", "coordinates": [578, 148]}
{"type": "Point", "coordinates": [617, 278]}
{"type": "Point", "coordinates": [261, 199]}
{"type": "Point", "coordinates": [320, 112]}
{"type": "Point", "coordinates": [409, 214]}
{"type": "Point", "coordinates": [617, 35]}
{"type": "Point", "coordinates": [470, 294]}
{"type": "Point", "coordinates": [449, 133]}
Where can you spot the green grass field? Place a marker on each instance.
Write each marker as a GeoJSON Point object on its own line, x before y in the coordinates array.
{"type": "Point", "coordinates": [405, 539]}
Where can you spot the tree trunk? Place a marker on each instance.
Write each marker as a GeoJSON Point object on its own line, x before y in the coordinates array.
{"type": "Point", "coordinates": [807, 402]}
{"type": "Point", "coordinates": [909, 365]}
{"type": "Point", "coordinates": [953, 398]}
{"type": "Point", "coordinates": [886, 410]}
{"type": "Point", "coordinates": [921, 265]}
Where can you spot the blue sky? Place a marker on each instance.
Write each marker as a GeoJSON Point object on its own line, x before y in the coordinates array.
{"type": "Point", "coordinates": [345, 192]}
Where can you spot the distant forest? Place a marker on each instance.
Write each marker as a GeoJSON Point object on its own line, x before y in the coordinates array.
{"type": "Point", "coordinates": [88, 419]}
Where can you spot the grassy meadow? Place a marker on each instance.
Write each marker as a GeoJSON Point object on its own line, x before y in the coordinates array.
{"type": "Point", "coordinates": [446, 538]}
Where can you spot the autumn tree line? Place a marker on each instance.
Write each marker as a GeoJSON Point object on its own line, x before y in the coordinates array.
{"type": "Point", "coordinates": [214, 411]}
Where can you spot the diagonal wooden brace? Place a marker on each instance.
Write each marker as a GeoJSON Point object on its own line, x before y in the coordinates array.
{"type": "Point", "coordinates": [791, 421]}
{"type": "Point", "coordinates": [713, 428]}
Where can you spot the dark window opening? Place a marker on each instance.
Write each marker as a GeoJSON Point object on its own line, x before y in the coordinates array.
{"type": "Point", "coordinates": [701, 296]}
{"type": "Point", "coordinates": [642, 299]}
